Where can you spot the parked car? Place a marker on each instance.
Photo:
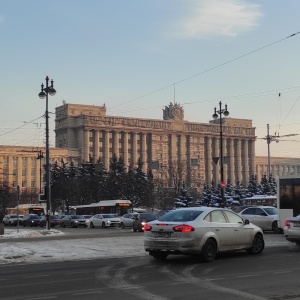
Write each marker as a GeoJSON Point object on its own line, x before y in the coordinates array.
{"type": "Point", "coordinates": [201, 231]}
{"type": "Point", "coordinates": [264, 217]}
{"type": "Point", "coordinates": [104, 220]}
{"type": "Point", "coordinates": [54, 221]}
{"type": "Point", "coordinates": [87, 216]}
{"type": "Point", "coordinates": [31, 220]}
{"type": "Point", "coordinates": [73, 221]}
{"type": "Point", "coordinates": [127, 220]}
{"type": "Point", "coordinates": [292, 230]}
{"type": "Point", "coordinates": [141, 219]}
{"type": "Point", "coordinates": [11, 219]}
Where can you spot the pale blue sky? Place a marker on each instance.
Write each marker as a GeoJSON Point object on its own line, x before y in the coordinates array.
{"type": "Point", "coordinates": [120, 52]}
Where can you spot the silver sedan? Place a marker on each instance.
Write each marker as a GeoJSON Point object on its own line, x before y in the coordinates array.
{"type": "Point", "coordinates": [264, 217]}
{"type": "Point", "coordinates": [292, 230]}
{"type": "Point", "coordinates": [103, 220]}
{"type": "Point", "coordinates": [203, 231]}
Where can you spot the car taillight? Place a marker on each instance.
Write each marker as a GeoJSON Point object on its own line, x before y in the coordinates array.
{"type": "Point", "coordinates": [183, 228]}
{"type": "Point", "coordinates": [147, 227]}
{"type": "Point", "coordinates": [287, 223]}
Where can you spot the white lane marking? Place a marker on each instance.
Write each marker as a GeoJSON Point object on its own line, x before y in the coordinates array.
{"type": "Point", "coordinates": [282, 272]}
{"type": "Point", "coordinates": [37, 276]}
{"type": "Point", "coordinates": [71, 273]}
{"type": "Point", "coordinates": [87, 293]}
{"type": "Point", "coordinates": [189, 278]}
{"type": "Point", "coordinates": [118, 282]}
{"type": "Point", "coordinates": [249, 275]}
{"type": "Point", "coordinates": [46, 297]}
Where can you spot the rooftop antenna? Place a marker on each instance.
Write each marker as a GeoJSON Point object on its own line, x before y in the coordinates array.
{"type": "Point", "coordinates": [174, 93]}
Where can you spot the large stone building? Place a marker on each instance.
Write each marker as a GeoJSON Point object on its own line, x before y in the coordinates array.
{"type": "Point", "coordinates": [172, 145]}
{"type": "Point", "coordinates": [23, 166]}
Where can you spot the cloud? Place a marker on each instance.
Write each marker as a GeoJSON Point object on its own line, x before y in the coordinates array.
{"type": "Point", "coordinates": [218, 18]}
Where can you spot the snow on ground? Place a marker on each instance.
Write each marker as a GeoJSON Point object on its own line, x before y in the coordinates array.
{"type": "Point", "coordinates": [43, 250]}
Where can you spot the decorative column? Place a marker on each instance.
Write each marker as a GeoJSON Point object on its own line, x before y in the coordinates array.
{"type": "Point", "coordinates": [134, 150]}
{"type": "Point", "coordinates": [225, 160]}
{"type": "Point", "coordinates": [125, 148]}
{"type": "Point", "coordinates": [208, 160]}
{"type": "Point", "coordinates": [85, 147]}
{"type": "Point", "coordinates": [106, 150]}
{"type": "Point", "coordinates": [116, 143]}
{"type": "Point", "coordinates": [144, 151]}
{"type": "Point", "coordinates": [217, 166]}
{"type": "Point", "coordinates": [239, 160]}
{"type": "Point", "coordinates": [246, 163]}
{"type": "Point", "coordinates": [252, 157]}
{"type": "Point", "coordinates": [231, 162]}
{"type": "Point", "coordinates": [96, 146]}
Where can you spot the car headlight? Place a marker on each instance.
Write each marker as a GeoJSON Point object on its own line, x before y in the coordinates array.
{"type": "Point", "coordinates": [108, 221]}
{"type": "Point", "coordinates": [143, 223]}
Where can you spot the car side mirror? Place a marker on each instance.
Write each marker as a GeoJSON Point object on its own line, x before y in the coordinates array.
{"type": "Point", "coordinates": [246, 222]}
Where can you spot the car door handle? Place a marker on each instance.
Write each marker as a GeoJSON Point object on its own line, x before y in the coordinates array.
{"type": "Point", "coordinates": [235, 229]}
{"type": "Point", "coordinates": [217, 229]}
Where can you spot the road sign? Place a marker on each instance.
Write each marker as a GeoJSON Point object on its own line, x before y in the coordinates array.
{"type": "Point", "coordinates": [223, 185]}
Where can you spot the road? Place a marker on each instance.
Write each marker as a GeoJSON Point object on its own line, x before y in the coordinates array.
{"type": "Point", "coordinates": [272, 275]}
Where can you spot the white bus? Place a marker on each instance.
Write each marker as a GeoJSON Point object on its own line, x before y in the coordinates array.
{"type": "Point", "coordinates": [119, 207]}
{"type": "Point", "coordinates": [260, 200]}
{"type": "Point", "coordinates": [288, 198]}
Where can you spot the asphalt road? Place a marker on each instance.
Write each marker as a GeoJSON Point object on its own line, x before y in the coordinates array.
{"type": "Point", "coordinates": [272, 275]}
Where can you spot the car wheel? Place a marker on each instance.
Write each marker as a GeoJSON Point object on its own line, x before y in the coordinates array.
{"type": "Point", "coordinates": [122, 226]}
{"type": "Point", "coordinates": [297, 243]}
{"type": "Point", "coordinates": [209, 250]}
{"type": "Point", "coordinates": [72, 225]}
{"type": "Point", "coordinates": [103, 225]}
{"type": "Point", "coordinates": [92, 225]}
{"type": "Point", "coordinates": [258, 245]}
{"type": "Point", "coordinates": [275, 228]}
{"type": "Point", "coordinates": [63, 225]}
{"type": "Point", "coordinates": [159, 255]}
{"type": "Point", "coordinates": [133, 229]}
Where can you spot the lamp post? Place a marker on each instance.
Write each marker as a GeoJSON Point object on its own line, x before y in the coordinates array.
{"type": "Point", "coordinates": [40, 157]}
{"type": "Point", "coordinates": [216, 114]}
{"type": "Point", "coordinates": [45, 91]}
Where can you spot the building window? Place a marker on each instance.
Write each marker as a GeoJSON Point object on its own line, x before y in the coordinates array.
{"type": "Point", "coordinates": [15, 161]}
{"type": "Point", "coordinates": [32, 172]}
{"type": "Point", "coordinates": [15, 172]}
{"type": "Point", "coordinates": [24, 172]}
{"type": "Point", "coordinates": [23, 183]}
{"type": "Point", "coordinates": [32, 184]}
{"type": "Point", "coordinates": [14, 184]}
{"type": "Point", "coordinates": [5, 161]}
{"type": "Point", "coordinates": [24, 161]}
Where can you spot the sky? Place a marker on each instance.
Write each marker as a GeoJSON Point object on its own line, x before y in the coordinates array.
{"type": "Point", "coordinates": [138, 56]}
{"type": "Point", "coordinates": [45, 250]}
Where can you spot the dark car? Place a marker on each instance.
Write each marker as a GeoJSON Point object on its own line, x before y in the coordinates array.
{"type": "Point", "coordinates": [31, 220]}
{"type": "Point", "coordinates": [54, 221]}
{"type": "Point", "coordinates": [73, 221]}
{"type": "Point", "coordinates": [141, 219]}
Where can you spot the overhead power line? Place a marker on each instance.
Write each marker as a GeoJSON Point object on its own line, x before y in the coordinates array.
{"type": "Point", "coordinates": [207, 70]}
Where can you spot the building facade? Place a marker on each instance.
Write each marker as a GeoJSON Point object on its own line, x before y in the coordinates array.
{"type": "Point", "coordinates": [171, 145]}
{"type": "Point", "coordinates": [23, 166]}
{"type": "Point", "coordinates": [279, 166]}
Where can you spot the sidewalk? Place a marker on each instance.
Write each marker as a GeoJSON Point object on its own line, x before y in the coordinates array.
{"type": "Point", "coordinates": [45, 250]}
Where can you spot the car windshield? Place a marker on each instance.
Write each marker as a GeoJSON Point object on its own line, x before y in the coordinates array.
{"type": "Point", "coordinates": [181, 215]}
{"type": "Point", "coordinates": [149, 217]}
{"type": "Point", "coordinates": [54, 217]}
{"type": "Point", "coordinates": [109, 216]}
{"type": "Point", "coordinates": [12, 216]}
{"type": "Point", "coordinates": [34, 217]}
{"type": "Point", "coordinates": [271, 211]}
{"type": "Point", "coordinates": [77, 217]}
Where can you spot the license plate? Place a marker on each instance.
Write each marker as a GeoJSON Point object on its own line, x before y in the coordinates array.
{"type": "Point", "coordinates": [162, 234]}
{"type": "Point", "coordinates": [296, 224]}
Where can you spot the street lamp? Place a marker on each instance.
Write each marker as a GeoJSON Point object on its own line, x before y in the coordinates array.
{"type": "Point", "coordinates": [45, 91]}
{"type": "Point", "coordinates": [218, 113]}
{"type": "Point", "coordinates": [40, 157]}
